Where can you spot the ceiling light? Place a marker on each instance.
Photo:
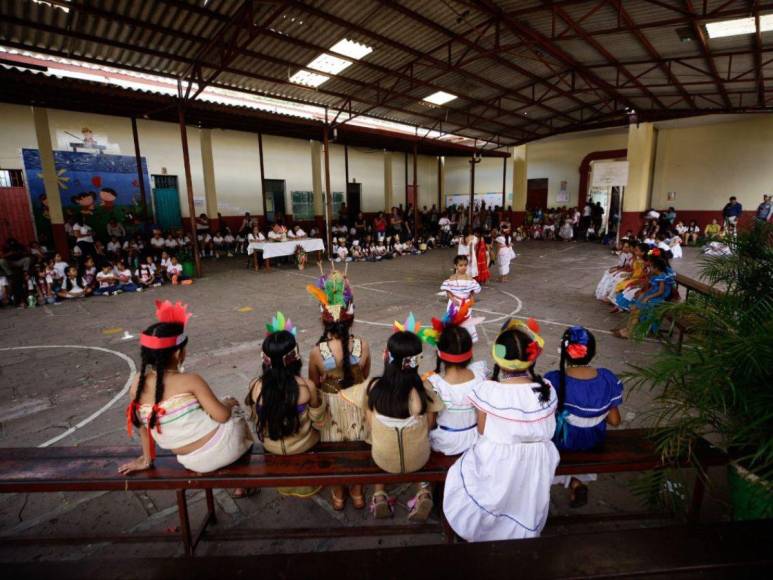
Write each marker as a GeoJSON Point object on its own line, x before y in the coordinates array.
{"type": "Point", "coordinates": [738, 26]}
{"type": "Point", "coordinates": [331, 64]}
{"type": "Point", "coordinates": [440, 98]}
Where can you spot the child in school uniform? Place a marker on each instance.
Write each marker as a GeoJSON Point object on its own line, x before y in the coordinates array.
{"type": "Point", "coordinates": [228, 242]}
{"type": "Point", "coordinates": [124, 277]}
{"type": "Point", "coordinates": [456, 429]}
{"type": "Point", "coordinates": [106, 281]}
{"type": "Point", "coordinates": [174, 271]}
{"type": "Point", "coordinates": [147, 273]}
{"type": "Point", "coordinates": [588, 401]}
{"type": "Point", "coordinates": [72, 287]}
{"type": "Point", "coordinates": [500, 488]}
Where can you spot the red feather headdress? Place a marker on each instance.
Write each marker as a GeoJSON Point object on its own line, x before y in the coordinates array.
{"type": "Point", "coordinates": [176, 313]}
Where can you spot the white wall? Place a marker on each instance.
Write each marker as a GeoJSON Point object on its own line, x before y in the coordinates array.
{"type": "Point", "coordinates": [366, 166]}
{"type": "Point", "coordinates": [558, 159]}
{"type": "Point", "coordinates": [488, 176]}
{"type": "Point", "coordinates": [398, 178]}
{"type": "Point", "coordinates": [236, 159]}
{"type": "Point", "coordinates": [287, 159]}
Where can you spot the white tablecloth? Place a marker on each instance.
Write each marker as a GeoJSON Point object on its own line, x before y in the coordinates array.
{"type": "Point", "coordinates": [278, 249]}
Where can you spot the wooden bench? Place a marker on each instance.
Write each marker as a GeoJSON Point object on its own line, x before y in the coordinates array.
{"type": "Point", "coordinates": [683, 326]}
{"type": "Point", "coordinates": [720, 550]}
{"type": "Point", "coordinates": [68, 469]}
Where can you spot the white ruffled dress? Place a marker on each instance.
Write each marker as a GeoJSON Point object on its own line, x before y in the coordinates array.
{"type": "Point", "coordinates": [457, 424]}
{"type": "Point", "coordinates": [500, 488]}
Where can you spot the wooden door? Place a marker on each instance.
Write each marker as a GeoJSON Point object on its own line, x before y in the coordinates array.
{"type": "Point", "coordinates": [537, 194]}
{"type": "Point", "coordinates": [15, 211]}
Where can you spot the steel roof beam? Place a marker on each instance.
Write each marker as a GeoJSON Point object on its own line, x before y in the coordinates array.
{"type": "Point", "coordinates": [758, 55]}
{"type": "Point", "coordinates": [645, 42]}
{"type": "Point", "coordinates": [703, 43]}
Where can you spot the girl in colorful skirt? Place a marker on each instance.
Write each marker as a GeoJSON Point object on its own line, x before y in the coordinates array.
{"type": "Point", "coordinates": [460, 288]}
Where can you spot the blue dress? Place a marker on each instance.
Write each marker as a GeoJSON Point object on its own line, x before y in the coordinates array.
{"type": "Point", "coordinates": [581, 423]}
{"type": "Point", "coordinates": [668, 278]}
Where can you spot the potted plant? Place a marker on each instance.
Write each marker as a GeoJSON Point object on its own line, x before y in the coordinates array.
{"type": "Point", "coordinates": [719, 383]}
{"type": "Point", "coordinates": [185, 257]}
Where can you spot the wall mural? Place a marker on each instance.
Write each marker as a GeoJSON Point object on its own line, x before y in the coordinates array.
{"type": "Point", "coordinates": [94, 187]}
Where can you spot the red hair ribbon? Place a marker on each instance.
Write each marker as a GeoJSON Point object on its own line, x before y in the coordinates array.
{"type": "Point", "coordinates": [159, 412]}
{"type": "Point", "coordinates": [533, 351]}
{"type": "Point", "coordinates": [576, 351]}
{"type": "Point", "coordinates": [455, 358]}
{"type": "Point", "coordinates": [131, 413]}
{"type": "Point", "coordinates": [533, 325]}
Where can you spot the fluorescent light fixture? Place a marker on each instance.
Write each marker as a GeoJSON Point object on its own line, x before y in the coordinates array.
{"type": "Point", "coordinates": [331, 64]}
{"type": "Point", "coordinates": [440, 98]}
{"type": "Point", "coordinates": [738, 26]}
{"type": "Point", "coordinates": [58, 5]}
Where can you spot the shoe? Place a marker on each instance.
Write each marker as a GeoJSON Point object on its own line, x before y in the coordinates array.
{"type": "Point", "coordinates": [138, 290]}
{"type": "Point", "coordinates": [338, 503]}
{"type": "Point", "coordinates": [381, 505]}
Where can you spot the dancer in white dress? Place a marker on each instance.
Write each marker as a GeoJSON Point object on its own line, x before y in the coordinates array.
{"type": "Point", "coordinates": [500, 488]}
{"type": "Point", "coordinates": [456, 424]}
{"type": "Point", "coordinates": [460, 287]}
{"type": "Point", "coordinates": [505, 255]}
{"type": "Point", "coordinates": [615, 274]}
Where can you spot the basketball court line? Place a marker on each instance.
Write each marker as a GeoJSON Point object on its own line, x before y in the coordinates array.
{"type": "Point", "coordinates": [122, 393]}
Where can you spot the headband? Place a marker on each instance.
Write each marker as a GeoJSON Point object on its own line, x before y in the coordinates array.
{"type": "Point", "coordinates": [454, 358]}
{"type": "Point", "coordinates": [454, 317]}
{"type": "Point", "coordinates": [169, 313]}
{"type": "Point", "coordinates": [293, 356]}
{"type": "Point", "coordinates": [533, 350]}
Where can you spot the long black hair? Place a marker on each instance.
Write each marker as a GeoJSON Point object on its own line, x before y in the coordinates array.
{"type": "Point", "coordinates": [159, 360]}
{"type": "Point", "coordinates": [340, 329]}
{"type": "Point", "coordinates": [516, 343]}
{"type": "Point", "coordinates": [390, 393]}
{"type": "Point", "coordinates": [277, 405]}
{"type": "Point", "coordinates": [453, 340]}
{"type": "Point", "coordinates": [590, 352]}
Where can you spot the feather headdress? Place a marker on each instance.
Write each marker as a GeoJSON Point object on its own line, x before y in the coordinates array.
{"type": "Point", "coordinates": [425, 333]}
{"type": "Point", "coordinates": [280, 322]}
{"type": "Point", "coordinates": [454, 316]}
{"type": "Point", "coordinates": [169, 313]}
{"type": "Point", "coordinates": [531, 329]}
{"type": "Point", "coordinates": [334, 295]}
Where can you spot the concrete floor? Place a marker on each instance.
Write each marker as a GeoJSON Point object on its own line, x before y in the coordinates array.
{"type": "Point", "coordinates": [62, 366]}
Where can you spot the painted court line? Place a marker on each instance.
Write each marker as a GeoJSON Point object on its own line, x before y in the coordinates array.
{"type": "Point", "coordinates": [103, 408]}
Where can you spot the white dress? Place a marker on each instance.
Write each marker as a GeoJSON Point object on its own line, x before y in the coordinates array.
{"type": "Point", "coordinates": [505, 255]}
{"type": "Point", "coordinates": [456, 424]}
{"type": "Point", "coordinates": [463, 290]}
{"type": "Point", "coordinates": [676, 247]}
{"type": "Point", "coordinates": [500, 488]}
{"type": "Point", "coordinates": [610, 279]}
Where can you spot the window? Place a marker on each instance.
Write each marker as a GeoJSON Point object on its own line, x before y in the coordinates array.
{"type": "Point", "coordinates": [303, 205]}
{"type": "Point", "coordinates": [11, 178]}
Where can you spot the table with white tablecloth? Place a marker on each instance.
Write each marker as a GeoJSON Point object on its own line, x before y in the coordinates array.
{"type": "Point", "coordinates": [278, 249]}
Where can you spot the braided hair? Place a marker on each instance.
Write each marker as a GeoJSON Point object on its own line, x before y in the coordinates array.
{"type": "Point", "coordinates": [339, 329]}
{"type": "Point", "coordinates": [590, 352]}
{"type": "Point", "coordinates": [516, 343]}
{"type": "Point", "coordinates": [158, 359]}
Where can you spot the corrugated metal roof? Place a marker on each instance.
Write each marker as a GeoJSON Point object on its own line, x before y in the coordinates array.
{"type": "Point", "coordinates": [419, 47]}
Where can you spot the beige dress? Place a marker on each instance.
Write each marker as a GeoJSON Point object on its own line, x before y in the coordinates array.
{"type": "Point", "coordinates": [398, 445]}
{"type": "Point", "coordinates": [346, 421]}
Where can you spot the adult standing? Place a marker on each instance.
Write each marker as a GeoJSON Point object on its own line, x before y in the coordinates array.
{"type": "Point", "coordinates": [202, 224]}
{"type": "Point", "coordinates": [114, 228]}
{"type": "Point", "coordinates": [380, 226]}
{"type": "Point", "coordinates": [395, 223]}
{"type": "Point", "coordinates": [360, 226]}
{"type": "Point", "coordinates": [248, 223]}
{"type": "Point", "coordinates": [84, 237]}
{"type": "Point", "coordinates": [764, 210]}
{"type": "Point", "coordinates": [585, 221]}
{"type": "Point", "coordinates": [597, 213]}
{"type": "Point", "coordinates": [731, 213]}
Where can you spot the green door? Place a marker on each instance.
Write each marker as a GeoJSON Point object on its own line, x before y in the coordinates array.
{"type": "Point", "coordinates": [166, 200]}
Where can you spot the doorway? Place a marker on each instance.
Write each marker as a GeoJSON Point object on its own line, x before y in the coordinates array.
{"type": "Point", "coordinates": [353, 199]}
{"type": "Point", "coordinates": [537, 193]}
{"type": "Point", "coordinates": [275, 199]}
{"type": "Point", "coordinates": [166, 202]}
{"type": "Point", "coordinates": [15, 211]}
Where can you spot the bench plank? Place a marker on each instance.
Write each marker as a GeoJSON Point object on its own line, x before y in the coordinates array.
{"type": "Point", "coordinates": [727, 550]}
{"type": "Point", "coordinates": [95, 468]}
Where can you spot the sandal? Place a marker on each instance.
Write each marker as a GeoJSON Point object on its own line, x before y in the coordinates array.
{"type": "Point", "coordinates": [242, 492]}
{"type": "Point", "coordinates": [338, 503]}
{"type": "Point", "coordinates": [579, 496]}
{"type": "Point", "coordinates": [381, 505]}
{"type": "Point", "coordinates": [420, 506]}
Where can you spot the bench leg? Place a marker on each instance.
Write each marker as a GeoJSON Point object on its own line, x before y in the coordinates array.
{"type": "Point", "coordinates": [693, 515]}
{"type": "Point", "coordinates": [211, 516]}
{"type": "Point", "coordinates": [185, 525]}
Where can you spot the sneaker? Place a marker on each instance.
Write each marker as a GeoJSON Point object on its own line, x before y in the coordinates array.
{"type": "Point", "coordinates": [117, 292]}
{"type": "Point", "coordinates": [157, 284]}
{"type": "Point", "coordinates": [139, 290]}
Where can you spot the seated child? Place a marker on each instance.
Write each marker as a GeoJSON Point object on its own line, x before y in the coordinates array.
{"type": "Point", "coordinates": [114, 247]}
{"type": "Point", "coordinates": [124, 277]}
{"type": "Point", "coordinates": [178, 410]}
{"type": "Point", "coordinates": [536, 232]}
{"type": "Point", "coordinates": [500, 488]}
{"type": "Point", "coordinates": [229, 242]}
{"type": "Point", "coordinates": [72, 287]}
{"type": "Point", "coordinates": [588, 401]}
{"type": "Point", "coordinates": [147, 273]}
{"type": "Point", "coordinates": [615, 274]}
{"type": "Point", "coordinates": [174, 272]}
{"type": "Point", "coordinates": [218, 244]}
{"type": "Point", "coordinates": [286, 408]}
{"type": "Point", "coordinates": [44, 287]}
{"type": "Point", "coordinates": [107, 282]}
{"type": "Point", "coordinates": [456, 424]}
{"type": "Point", "coordinates": [549, 230]}
{"type": "Point", "coordinates": [566, 232]}
{"type": "Point", "coordinates": [658, 287]}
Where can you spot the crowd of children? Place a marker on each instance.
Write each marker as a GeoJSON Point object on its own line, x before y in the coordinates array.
{"type": "Point", "coordinates": [505, 425]}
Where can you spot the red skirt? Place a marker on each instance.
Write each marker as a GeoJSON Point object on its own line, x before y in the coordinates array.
{"type": "Point", "coordinates": [481, 255]}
